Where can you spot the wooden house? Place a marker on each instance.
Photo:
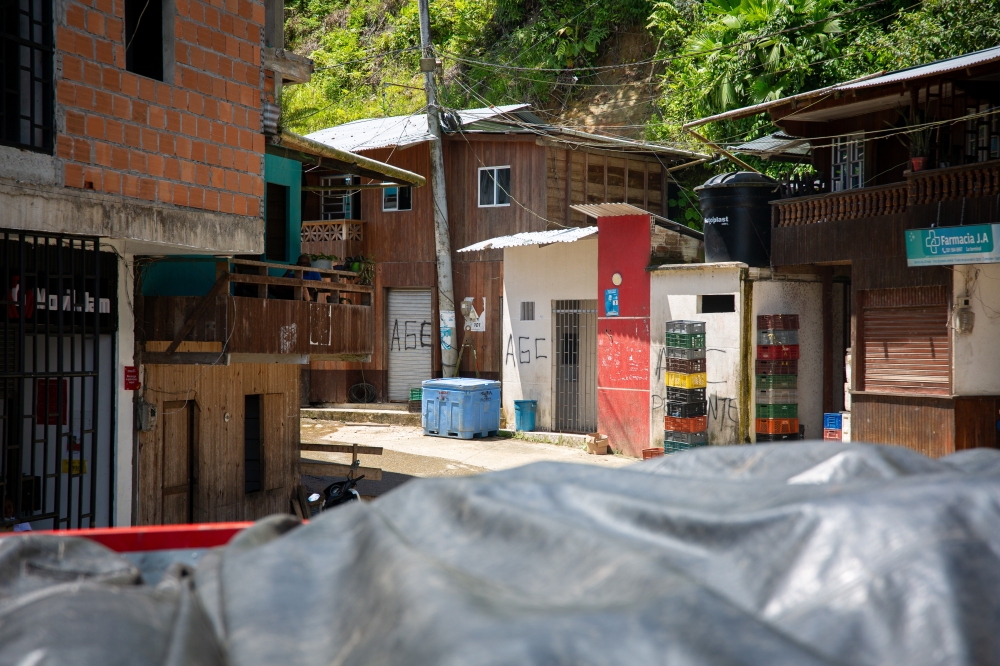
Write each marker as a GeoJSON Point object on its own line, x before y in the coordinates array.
{"type": "Point", "coordinates": [908, 176]}
{"type": "Point", "coordinates": [531, 174]}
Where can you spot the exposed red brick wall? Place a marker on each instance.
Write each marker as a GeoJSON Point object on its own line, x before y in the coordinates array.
{"type": "Point", "coordinates": [195, 143]}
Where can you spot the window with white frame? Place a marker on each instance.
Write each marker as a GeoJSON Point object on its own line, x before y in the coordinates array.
{"type": "Point", "coordinates": [494, 186]}
{"type": "Point", "coordinates": [848, 171]}
{"type": "Point", "coordinates": [336, 203]}
{"type": "Point", "coordinates": [397, 198]}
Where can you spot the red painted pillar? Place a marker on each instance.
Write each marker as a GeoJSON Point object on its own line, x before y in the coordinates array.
{"type": "Point", "coordinates": [623, 407]}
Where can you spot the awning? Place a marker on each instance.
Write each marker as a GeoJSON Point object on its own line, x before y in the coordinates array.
{"type": "Point", "coordinates": [624, 209]}
{"type": "Point", "coordinates": [346, 161]}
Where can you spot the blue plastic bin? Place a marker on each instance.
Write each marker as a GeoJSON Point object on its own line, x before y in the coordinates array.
{"type": "Point", "coordinates": [524, 414]}
{"type": "Point", "coordinates": [833, 421]}
{"type": "Point", "coordinates": [460, 407]}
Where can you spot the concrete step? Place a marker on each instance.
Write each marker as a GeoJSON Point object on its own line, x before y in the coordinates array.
{"type": "Point", "coordinates": [352, 415]}
{"type": "Point", "coordinates": [560, 438]}
{"type": "Point", "coordinates": [354, 406]}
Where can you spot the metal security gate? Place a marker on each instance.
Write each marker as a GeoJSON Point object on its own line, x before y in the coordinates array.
{"type": "Point", "coordinates": [57, 320]}
{"type": "Point", "coordinates": [411, 340]}
{"type": "Point", "coordinates": [575, 365]}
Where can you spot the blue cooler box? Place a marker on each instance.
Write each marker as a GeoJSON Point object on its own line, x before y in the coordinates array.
{"type": "Point", "coordinates": [461, 407]}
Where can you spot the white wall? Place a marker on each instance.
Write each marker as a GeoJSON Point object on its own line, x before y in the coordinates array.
{"type": "Point", "coordinates": [806, 300]}
{"type": "Point", "coordinates": [977, 354]}
{"type": "Point", "coordinates": [540, 274]}
{"type": "Point", "coordinates": [124, 348]}
{"type": "Point", "coordinates": [674, 292]}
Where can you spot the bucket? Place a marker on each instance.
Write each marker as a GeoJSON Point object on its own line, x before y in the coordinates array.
{"type": "Point", "coordinates": [524, 414]}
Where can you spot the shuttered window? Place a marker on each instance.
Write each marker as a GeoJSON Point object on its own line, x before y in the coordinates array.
{"type": "Point", "coordinates": [906, 341]}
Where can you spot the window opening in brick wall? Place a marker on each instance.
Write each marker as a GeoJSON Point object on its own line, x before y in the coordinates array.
{"type": "Point", "coordinates": [252, 443]}
{"type": "Point", "coordinates": [26, 74]}
{"type": "Point", "coordinates": [397, 198]}
{"type": "Point", "coordinates": [527, 311]}
{"type": "Point", "coordinates": [716, 303]}
{"type": "Point", "coordinates": [144, 38]}
{"type": "Point", "coordinates": [276, 223]}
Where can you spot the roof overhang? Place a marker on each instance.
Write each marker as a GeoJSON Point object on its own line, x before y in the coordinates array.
{"type": "Point", "coordinates": [607, 210]}
{"type": "Point", "coordinates": [293, 146]}
{"type": "Point", "coordinates": [539, 238]}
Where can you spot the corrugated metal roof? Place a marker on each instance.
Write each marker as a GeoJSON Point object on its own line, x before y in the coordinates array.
{"type": "Point", "coordinates": [608, 209]}
{"type": "Point", "coordinates": [775, 145]}
{"type": "Point", "coordinates": [930, 69]}
{"type": "Point", "coordinates": [397, 130]}
{"type": "Point", "coordinates": [533, 238]}
{"type": "Point", "coordinates": [870, 81]}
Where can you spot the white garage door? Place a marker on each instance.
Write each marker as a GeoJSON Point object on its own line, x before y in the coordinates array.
{"type": "Point", "coordinates": [411, 340]}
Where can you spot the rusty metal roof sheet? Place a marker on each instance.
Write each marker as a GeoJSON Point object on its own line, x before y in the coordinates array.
{"type": "Point", "coordinates": [608, 210]}
{"type": "Point", "coordinates": [570, 235]}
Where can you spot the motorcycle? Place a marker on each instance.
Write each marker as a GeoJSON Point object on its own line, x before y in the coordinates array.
{"type": "Point", "coordinates": [340, 492]}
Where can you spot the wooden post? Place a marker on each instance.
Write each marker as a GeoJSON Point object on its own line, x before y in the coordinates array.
{"type": "Point", "coordinates": [442, 235]}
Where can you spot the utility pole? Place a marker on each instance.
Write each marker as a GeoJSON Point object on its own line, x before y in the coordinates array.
{"type": "Point", "coordinates": [442, 237]}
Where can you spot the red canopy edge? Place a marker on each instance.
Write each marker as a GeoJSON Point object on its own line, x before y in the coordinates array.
{"type": "Point", "coordinates": [153, 537]}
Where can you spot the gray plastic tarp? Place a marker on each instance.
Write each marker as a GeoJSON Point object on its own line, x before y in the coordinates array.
{"type": "Point", "coordinates": [806, 553]}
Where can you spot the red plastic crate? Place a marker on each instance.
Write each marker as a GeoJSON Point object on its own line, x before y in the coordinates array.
{"type": "Point", "coordinates": [694, 424]}
{"type": "Point", "coordinates": [652, 453]}
{"type": "Point", "coordinates": [777, 352]}
{"type": "Point", "coordinates": [787, 367]}
{"type": "Point", "coordinates": [777, 322]}
{"type": "Point", "coordinates": [777, 426]}
{"type": "Point", "coordinates": [831, 434]}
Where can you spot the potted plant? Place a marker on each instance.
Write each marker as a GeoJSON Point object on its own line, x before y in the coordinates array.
{"type": "Point", "coordinates": [918, 139]}
{"type": "Point", "coordinates": [324, 261]}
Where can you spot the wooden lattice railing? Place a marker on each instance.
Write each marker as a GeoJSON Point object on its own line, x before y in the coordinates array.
{"type": "Point", "coordinates": [922, 187]}
{"type": "Point", "coordinates": [847, 205]}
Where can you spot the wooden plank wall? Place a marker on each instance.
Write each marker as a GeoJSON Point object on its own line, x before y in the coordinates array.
{"type": "Point", "coordinates": [216, 391]}
{"type": "Point", "coordinates": [924, 424]}
{"type": "Point", "coordinates": [482, 279]}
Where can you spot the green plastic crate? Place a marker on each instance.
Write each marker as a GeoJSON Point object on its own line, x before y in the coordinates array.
{"type": "Point", "coordinates": [673, 447]}
{"type": "Point", "coordinates": [777, 411]}
{"type": "Point", "coordinates": [777, 381]}
{"type": "Point", "coordinates": [416, 394]}
{"type": "Point", "coordinates": [686, 340]}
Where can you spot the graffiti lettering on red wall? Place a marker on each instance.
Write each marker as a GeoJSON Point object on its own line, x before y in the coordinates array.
{"type": "Point", "coordinates": [413, 334]}
{"type": "Point", "coordinates": [522, 352]}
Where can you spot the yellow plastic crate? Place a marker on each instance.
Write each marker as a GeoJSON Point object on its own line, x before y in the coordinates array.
{"type": "Point", "coordinates": [685, 380]}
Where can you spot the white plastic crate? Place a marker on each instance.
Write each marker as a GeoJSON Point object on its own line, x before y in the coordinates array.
{"type": "Point", "coordinates": [777, 396]}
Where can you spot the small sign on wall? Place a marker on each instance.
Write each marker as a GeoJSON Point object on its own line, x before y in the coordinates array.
{"type": "Point", "coordinates": [610, 302]}
{"type": "Point", "coordinates": [132, 378]}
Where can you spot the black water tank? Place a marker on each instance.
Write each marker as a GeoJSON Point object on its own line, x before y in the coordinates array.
{"type": "Point", "coordinates": [738, 217]}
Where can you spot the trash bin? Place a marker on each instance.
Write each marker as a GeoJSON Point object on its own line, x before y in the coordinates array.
{"type": "Point", "coordinates": [524, 414]}
{"type": "Point", "coordinates": [460, 407]}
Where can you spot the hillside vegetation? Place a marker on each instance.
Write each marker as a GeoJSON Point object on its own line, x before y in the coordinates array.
{"type": "Point", "coordinates": [631, 67]}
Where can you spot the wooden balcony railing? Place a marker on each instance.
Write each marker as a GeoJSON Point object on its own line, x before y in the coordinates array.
{"type": "Point", "coordinates": [330, 318]}
{"type": "Point", "coordinates": [971, 180]}
{"type": "Point", "coordinates": [846, 205]}
{"type": "Point", "coordinates": [921, 187]}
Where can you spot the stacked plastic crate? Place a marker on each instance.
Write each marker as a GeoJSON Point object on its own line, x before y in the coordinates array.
{"type": "Point", "coordinates": [685, 423]}
{"type": "Point", "coordinates": [777, 370]}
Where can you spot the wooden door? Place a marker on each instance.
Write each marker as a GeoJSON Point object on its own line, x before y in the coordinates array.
{"type": "Point", "coordinates": [178, 463]}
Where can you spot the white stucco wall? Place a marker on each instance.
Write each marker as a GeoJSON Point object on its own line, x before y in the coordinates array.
{"type": "Point", "coordinates": [674, 292]}
{"type": "Point", "coordinates": [806, 300]}
{"type": "Point", "coordinates": [540, 274]}
{"type": "Point", "coordinates": [124, 350]}
{"type": "Point", "coordinates": [977, 354]}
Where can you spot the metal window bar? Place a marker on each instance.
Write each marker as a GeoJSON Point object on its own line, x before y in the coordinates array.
{"type": "Point", "coordinates": [26, 94]}
{"type": "Point", "coordinates": [56, 452]}
{"type": "Point", "coordinates": [575, 365]}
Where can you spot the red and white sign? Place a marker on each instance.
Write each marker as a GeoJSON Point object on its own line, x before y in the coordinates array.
{"type": "Point", "coordinates": [132, 378]}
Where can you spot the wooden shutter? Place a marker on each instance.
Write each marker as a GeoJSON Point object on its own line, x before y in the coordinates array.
{"type": "Point", "coordinates": [906, 341]}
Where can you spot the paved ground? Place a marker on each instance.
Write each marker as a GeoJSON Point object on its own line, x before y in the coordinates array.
{"type": "Point", "coordinates": [408, 453]}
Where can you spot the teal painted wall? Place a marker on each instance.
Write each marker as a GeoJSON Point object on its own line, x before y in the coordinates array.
{"type": "Point", "coordinates": [281, 171]}
{"type": "Point", "coordinates": [195, 275]}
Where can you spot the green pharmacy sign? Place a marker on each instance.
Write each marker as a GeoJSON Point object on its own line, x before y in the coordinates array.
{"type": "Point", "coordinates": [946, 246]}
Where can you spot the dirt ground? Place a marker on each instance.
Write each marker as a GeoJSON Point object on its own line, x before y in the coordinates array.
{"type": "Point", "coordinates": [407, 453]}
